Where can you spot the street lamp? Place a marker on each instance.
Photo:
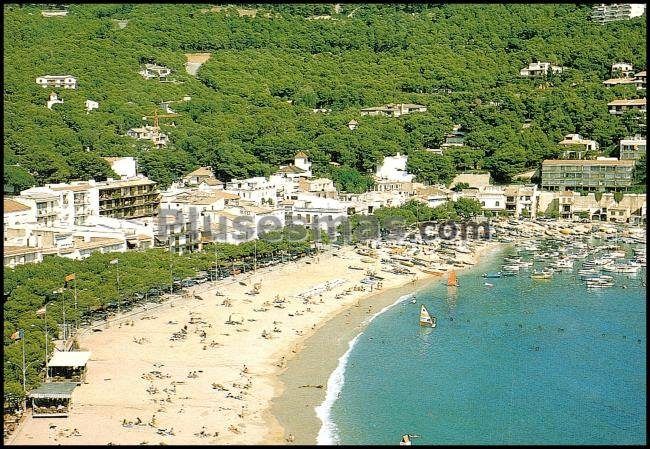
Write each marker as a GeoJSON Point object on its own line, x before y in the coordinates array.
{"type": "Point", "coordinates": [44, 329]}
{"type": "Point", "coordinates": [24, 370]}
{"type": "Point", "coordinates": [65, 327]}
{"type": "Point", "coordinates": [171, 271]}
{"type": "Point", "coordinates": [117, 263]}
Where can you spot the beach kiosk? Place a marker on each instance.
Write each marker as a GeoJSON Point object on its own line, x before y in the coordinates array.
{"type": "Point", "coordinates": [68, 366]}
{"type": "Point", "coordinates": [52, 399]}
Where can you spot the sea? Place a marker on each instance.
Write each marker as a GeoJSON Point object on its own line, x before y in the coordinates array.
{"type": "Point", "coordinates": [521, 362]}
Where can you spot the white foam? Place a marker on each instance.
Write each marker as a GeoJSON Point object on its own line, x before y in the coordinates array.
{"type": "Point", "coordinates": [328, 435]}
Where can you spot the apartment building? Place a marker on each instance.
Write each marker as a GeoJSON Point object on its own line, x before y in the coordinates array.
{"type": "Point", "coordinates": [610, 12]}
{"type": "Point", "coordinates": [522, 200]}
{"type": "Point", "coordinates": [61, 81]}
{"type": "Point", "coordinates": [178, 233]}
{"type": "Point", "coordinates": [618, 107]}
{"type": "Point", "coordinates": [45, 204]}
{"type": "Point", "coordinates": [632, 148]}
{"type": "Point", "coordinates": [77, 202]}
{"type": "Point", "coordinates": [129, 198]}
{"type": "Point", "coordinates": [587, 174]}
{"type": "Point", "coordinates": [257, 189]}
{"type": "Point", "coordinates": [631, 208]}
{"type": "Point", "coordinates": [308, 210]}
{"type": "Point", "coordinates": [399, 187]}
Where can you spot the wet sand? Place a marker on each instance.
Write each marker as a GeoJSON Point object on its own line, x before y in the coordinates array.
{"type": "Point", "coordinates": [317, 359]}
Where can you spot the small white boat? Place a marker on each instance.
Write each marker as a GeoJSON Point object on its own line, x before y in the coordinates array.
{"type": "Point", "coordinates": [487, 284]}
{"type": "Point", "coordinates": [426, 319]}
{"type": "Point", "coordinates": [406, 440]}
{"type": "Point", "coordinates": [564, 263]}
{"type": "Point", "coordinates": [510, 268]}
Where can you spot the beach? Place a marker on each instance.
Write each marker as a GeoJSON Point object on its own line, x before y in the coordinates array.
{"type": "Point", "coordinates": [178, 374]}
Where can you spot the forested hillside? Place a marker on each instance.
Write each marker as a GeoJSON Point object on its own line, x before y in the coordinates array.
{"type": "Point", "coordinates": [251, 102]}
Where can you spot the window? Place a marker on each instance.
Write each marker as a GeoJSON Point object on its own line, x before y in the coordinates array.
{"type": "Point", "coordinates": [496, 204]}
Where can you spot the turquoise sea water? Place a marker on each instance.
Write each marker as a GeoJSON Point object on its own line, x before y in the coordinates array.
{"type": "Point", "coordinates": [523, 362]}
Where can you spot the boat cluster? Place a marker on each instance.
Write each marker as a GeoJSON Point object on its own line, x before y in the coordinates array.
{"type": "Point", "coordinates": [594, 255]}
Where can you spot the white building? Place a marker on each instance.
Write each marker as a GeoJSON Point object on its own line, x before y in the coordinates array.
{"type": "Point", "coordinates": [623, 69]}
{"type": "Point", "coordinates": [154, 71]}
{"type": "Point", "coordinates": [610, 12]}
{"type": "Point", "coordinates": [536, 69]}
{"type": "Point", "coordinates": [522, 200]}
{"type": "Point", "coordinates": [577, 146]}
{"type": "Point", "coordinates": [393, 168]}
{"type": "Point", "coordinates": [394, 110]}
{"type": "Point", "coordinates": [258, 190]}
{"type": "Point", "coordinates": [322, 187]}
{"type": "Point", "coordinates": [15, 212]}
{"type": "Point", "coordinates": [64, 81]}
{"type": "Point", "coordinates": [77, 202]}
{"type": "Point", "coordinates": [30, 243]}
{"type": "Point", "coordinates": [91, 105]}
{"type": "Point", "coordinates": [43, 203]}
{"type": "Point", "coordinates": [618, 107]}
{"type": "Point", "coordinates": [200, 175]}
{"type": "Point", "coordinates": [125, 167]}
{"type": "Point", "coordinates": [307, 210]}
{"type": "Point", "coordinates": [54, 13]}
{"type": "Point", "coordinates": [54, 99]}
{"type": "Point", "coordinates": [302, 162]}
{"type": "Point", "coordinates": [492, 198]}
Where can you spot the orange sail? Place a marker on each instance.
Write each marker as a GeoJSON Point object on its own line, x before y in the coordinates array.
{"type": "Point", "coordinates": [452, 281]}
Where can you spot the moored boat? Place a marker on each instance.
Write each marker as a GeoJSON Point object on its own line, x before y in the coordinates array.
{"type": "Point", "coordinates": [541, 275]}
{"type": "Point", "coordinates": [452, 281]}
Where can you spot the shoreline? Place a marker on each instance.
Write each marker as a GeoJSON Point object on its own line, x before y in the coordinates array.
{"type": "Point", "coordinates": [138, 373]}
{"type": "Point", "coordinates": [293, 410]}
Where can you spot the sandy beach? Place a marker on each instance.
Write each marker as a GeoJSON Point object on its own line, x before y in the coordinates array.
{"type": "Point", "coordinates": [179, 374]}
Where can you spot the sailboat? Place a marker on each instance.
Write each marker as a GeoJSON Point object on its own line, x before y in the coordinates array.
{"type": "Point", "coordinates": [426, 319]}
{"type": "Point", "coordinates": [452, 281]}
